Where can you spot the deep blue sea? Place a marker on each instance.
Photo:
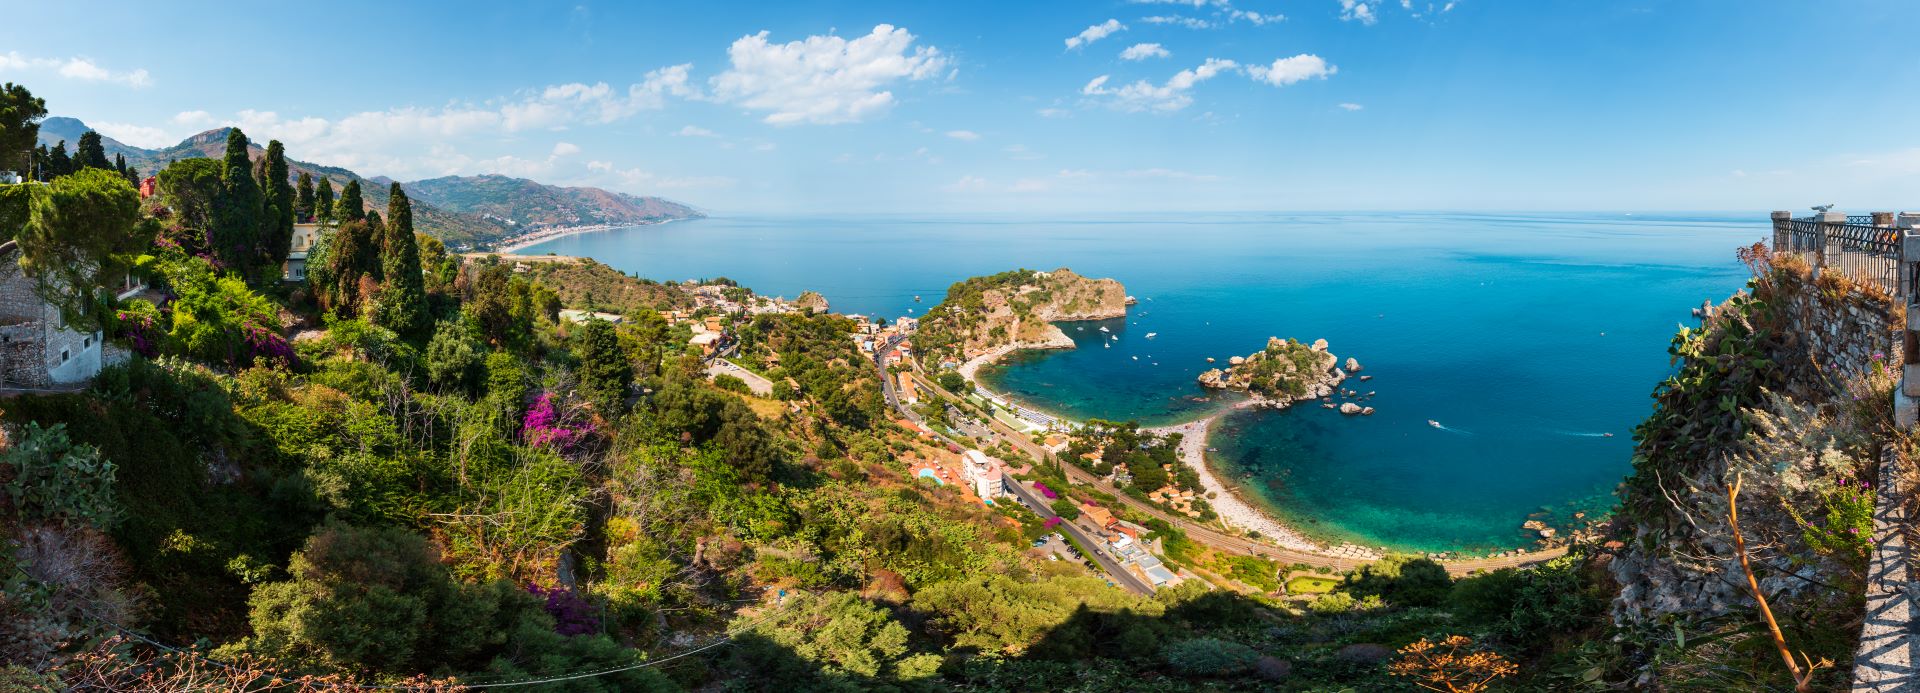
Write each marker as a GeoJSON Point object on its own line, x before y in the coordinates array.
{"type": "Point", "coordinates": [1527, 336]}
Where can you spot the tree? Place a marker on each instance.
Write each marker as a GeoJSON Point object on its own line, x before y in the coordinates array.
{"type": "Point", "coordinates": [276, 206]}
{"type": "Point", "coordinates": [1401, 580]}
{"type": "Point", "coordinates": [55, 480]}
{"type": "Point", "coordinates": [79, 232]}
{"type": "Point", "coordinates": [343, 265]}
{"type": "Point", "coordinates": [57, 162]}
{"type": "Point", "coordinates": [953, 382]}
{"type": "Point", "coordinates": [452, 357]}
{"type": "Point", "coordinates": [90, 153]}
{"type": "Point", "coordinates": [323, 201]}
{"type": "Point", "coordinates": [236, 225]}
{"type": "Point", "coordinates": [303, 199]}
{"type": "Point", "coordinates": [191, 188]}
{"type": "Point", "coordinates": [403, 298]}
{"type": "Point", "coordinates": [20, 114]}
{"type": "Point", "coordinates": [350, 207]}
{"type": "Point", "coordinates": [604, 372]}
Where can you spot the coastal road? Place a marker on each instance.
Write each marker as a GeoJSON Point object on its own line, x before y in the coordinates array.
{"type": "Point", "coordinates": [755, 383]}
{"type": "Point", "coordinates": [1030, 497]}
{"type": "Point", "coordinates": [1230, 543]}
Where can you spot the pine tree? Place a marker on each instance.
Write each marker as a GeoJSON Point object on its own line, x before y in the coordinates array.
{"type": "Point", "coordinates": [403, 299]}
{"type": "Point", "coordinates": [236, 226]}
{"type": "Point", "coordinates": [303, 199]}
{"type": "Point", "coordinates": [20, 114]}
{"type": "Point", "coordinates": [90, 153]}
{"type": "Point", "coordinates": [58, 164]}
{"type": "Point", "coordinates": [133, 176]}
{"type": "Point", "coordinates": [323, 201]}
{"type": "Point", "coordinates": [276, 205]}
{"type": "Point", "coordinates": [120, 164]}
{"type": "Point", "coordinates": [350, 207]}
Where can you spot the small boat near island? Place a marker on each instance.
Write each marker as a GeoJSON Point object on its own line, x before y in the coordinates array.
{"type": "Point", "coordinates": [1209, 359]}
{"type": "Point", "coordinates": [916, 299]}
{"type": "Point", "coordinates": [1435, 424]}
{"type": "Point", "coordinates": [1103, 328]}
{"type": "Point", "coordinates": [1150, 335]}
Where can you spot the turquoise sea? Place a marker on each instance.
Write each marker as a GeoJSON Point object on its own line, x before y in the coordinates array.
{"type": "Point", "coordinates": [1527, 336]}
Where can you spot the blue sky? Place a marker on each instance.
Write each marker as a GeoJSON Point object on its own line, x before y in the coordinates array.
{"type": "Point", "coordinates": [1034, 106]}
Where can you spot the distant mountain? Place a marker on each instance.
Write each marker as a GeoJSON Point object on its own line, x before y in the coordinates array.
{"type": "Point", "coordinates": [529, 204]}
{"type": "Point", "coordinates": [475, 210]}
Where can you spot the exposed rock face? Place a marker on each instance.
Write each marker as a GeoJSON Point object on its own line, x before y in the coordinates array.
{"type": "Point", "coordinates": [1016, 309]}
{"type": "Point", "coordinates": [1283, 373]}
{"type": "Point", "coordinates": [811, 301]}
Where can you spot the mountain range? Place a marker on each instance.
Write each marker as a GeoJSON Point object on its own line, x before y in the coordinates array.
{"type": "Point", "coordinates": [461, 210]}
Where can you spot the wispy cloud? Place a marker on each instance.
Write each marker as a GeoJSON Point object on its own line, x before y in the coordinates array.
{"type": "Point", "coordinates": [1143, 51]}
{"type": "Point", "coordinates": [963, 135]}
{"type": "Point", "coordinates": [1351, 107]}
{"type": "Point", "coordinates": [1142, 95]}
{"type": "Point", "coordinates": [1095, 33]}
{"type": "Point", "coordinates": [1285, 71]}
{"type": "Point", "coordinates": [74, 68]}
{"type": "Point", "coordinates": [1358, 11]}
{"type": "Point", "coordinates": [694, 131]}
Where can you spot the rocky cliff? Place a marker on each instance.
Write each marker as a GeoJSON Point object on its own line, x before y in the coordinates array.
{"type": "Point", "coordinates": [1015, 309]}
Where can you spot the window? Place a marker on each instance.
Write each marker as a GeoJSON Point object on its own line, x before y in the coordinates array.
{"type": "Point", "coordinates": [63, 355]}
{"type": "Point", "coordinates": [86, 343]}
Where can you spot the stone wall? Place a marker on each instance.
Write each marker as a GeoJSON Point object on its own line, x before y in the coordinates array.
{"type": "Point", "coordinates": [36, 348]}
{"type": "Point", "coordinates": [1841, 338]}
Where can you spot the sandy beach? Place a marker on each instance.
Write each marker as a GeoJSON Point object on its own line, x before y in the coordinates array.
{"type": "Point", "coordinates": [1225, 501]}
{"type": "Point", "coordinates": [514, 244]}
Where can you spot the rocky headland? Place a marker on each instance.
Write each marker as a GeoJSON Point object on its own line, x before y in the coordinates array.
{"type": "Point", "coordinates": [991, 315]}
{"type": "Point", "coordinates": [1285, 372]}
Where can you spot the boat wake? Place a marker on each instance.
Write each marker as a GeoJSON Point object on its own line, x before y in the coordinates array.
{"type": "Point", "coordinates": [1578, 434]}
{"type": "Point", "coordinates": [1449, 429]}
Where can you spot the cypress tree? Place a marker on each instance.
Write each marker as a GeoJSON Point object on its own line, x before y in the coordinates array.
{"type": "Point", "coordinates": [276, 205]}
{"type": "Point", "coordinates": [120, 164]}
{"type": "Point", "coordinates": [236, 226]}
{"type": "Point", "coordinates": [323, 201]}
{"type": "Point", "coordinates": [403, 299]}
{"type": "Point", "coordinates": [58, 164]}
{"type": "Point", "coordinates": [90, 153]}
{"type": "Point", "coordinates": [303, 199]}
{"type": "Point", "coordinates": [350, 207]}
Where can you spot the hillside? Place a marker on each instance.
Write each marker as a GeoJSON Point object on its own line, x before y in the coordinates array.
{"type": "Point", "coordinates": [1015, 308]}
{"type": "Point", "coordinates": [470, 211]}
{"type": "Point", "coordinates": [525, 203]}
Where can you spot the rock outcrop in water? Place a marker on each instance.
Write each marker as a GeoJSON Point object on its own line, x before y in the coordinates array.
{"type": "Point", "coordinates": [1015, 309]}
{"type": "Point", "coordinates": [1287, 371]}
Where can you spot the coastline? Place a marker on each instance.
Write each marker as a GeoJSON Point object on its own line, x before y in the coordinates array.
{"type": "Point", "coordinates": [515, 244]}
{"type": "Point", "coordinates": [1235, 510]}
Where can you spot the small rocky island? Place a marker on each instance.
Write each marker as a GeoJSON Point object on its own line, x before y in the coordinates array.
{"type": "Point", "coordinates": [1014, 310]}
{"type": "Point", "coordinates": [1287, 371]}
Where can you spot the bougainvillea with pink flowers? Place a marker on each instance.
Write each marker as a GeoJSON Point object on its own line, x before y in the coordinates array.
{"type": "Point", "coordinates": [549, 424]}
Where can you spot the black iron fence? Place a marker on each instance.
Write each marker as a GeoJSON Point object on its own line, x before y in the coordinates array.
{"type": "Point", "coordinates": [1865, 253]}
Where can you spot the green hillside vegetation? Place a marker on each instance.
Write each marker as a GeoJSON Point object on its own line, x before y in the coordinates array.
{"type": "Point", "coordinates": [587, 284]}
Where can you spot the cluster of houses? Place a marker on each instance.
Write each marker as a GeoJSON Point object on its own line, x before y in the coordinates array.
{"type": "Point", "coordinates": [1132, 546]}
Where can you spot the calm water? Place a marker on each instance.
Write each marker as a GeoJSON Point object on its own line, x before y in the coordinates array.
{"type": "Point", "coordinates": [1526, 336]}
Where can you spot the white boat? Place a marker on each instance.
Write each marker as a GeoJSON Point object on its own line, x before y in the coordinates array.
{"type": "Point", "coordinates": [1082, 329]}
{"type": "Point", "coordinates": [1435, 424]}
{"type": "Point", "coordinates": [1150, 335]}
{"type": "Point", "coordinates": [1136, 358]}
{"type": "Point", "coordinates": [1209, 359]}
{"type": "Point", "coordinates": [1103, 328]}
{"type": "Point", "coordinates": [1109, 345]}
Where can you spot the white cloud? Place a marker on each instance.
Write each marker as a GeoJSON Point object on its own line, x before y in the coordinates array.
{"type": "Point", "coordinates": [637, 179]}
{"type": "Point", "coordinates": [1074, 173]}
{"type": "Point", "coordinates": [1448, 7]}
{"type": "Point", "coordinates": [137, 135]}
{"type": "Point", "coordinates": [193, 119]}
{"type": "Point", "coordinates": [600, 166]}
{"type": "Point", "coordinates": [76, 68]}
{"type": "Point", "coordinates": [966, 184]}
{"type": "Point", "coordinates": [1144, 96]}
{"type": "Point", "coordinates": [1054, 112]}
{"type": "Point", "coordinates": [565, 149]}
{"type": "Point", "coordinates": [824, 79]}
{"type": "Point", "coordinates": [1285, 71]}
{"type": "Point", "coordinates": [695, 131]}
{"type": "Point", "coordinates": [1095, 33]}
{"type": "Point", "coordinates": [1358, 11]}
{"type": "Point", "coordinates": [1351, 107]}
{"type": "Point", "coordinates": [964, 135]}
{"type": "Point", "coordinates": [1256, 18]}
{"type": "Point", "coordinates": [1175, 20]}
{"type": "Point", "coordinates": [1143, 51]}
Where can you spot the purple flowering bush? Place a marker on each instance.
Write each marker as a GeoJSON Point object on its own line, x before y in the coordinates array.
{"type": "Point", "coordinates": [1044, 491]}
{"type": "Point", "coordinates": [1052, 522]}
{"type": "Point", "coordinates": [548, 424]}
{"type": "Point", "coordinates": [572, 614]}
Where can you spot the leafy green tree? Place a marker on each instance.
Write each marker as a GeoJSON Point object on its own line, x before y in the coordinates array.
{"type": "Point", "coordinates": [403, 298]}
{"type": "Point", "coordinates": [58, 163]}
{"type": "Point", "coordinates": [838, 639]}
{"type": "Point", "coordinates": [453, 358]}
{"type": "Point", "coordinates": [79, 234]}
{"type": "Point", "coordinates": [604, 372]}
{"type": "Point", "coordinates": [20, 115]}
{"type": "Point", "coordinates": [90, 153]}
{"type": "Point", "coordinates": [236, 241]}
{"type": "Point", "coordinates": [1209, 657]}
{"type": "Point", "coordinates": [190, 188]}
{"type": "Point", "coordinates": [952, 381]}
{"type": "Point", "coordinates": [343, 269]}
{"type": "Point", "coordinates": [53, 479]}
{"type": "Point", "coordinates": [276, 206]}
{"type": "Point", "coordinates": [323, 201]}
{"type": "Point", "coordinates": [1401, 580]}
{"type": "Point", "coordinates": [303, 198]}
{"type": "Point", "coordinates": [350, 207]}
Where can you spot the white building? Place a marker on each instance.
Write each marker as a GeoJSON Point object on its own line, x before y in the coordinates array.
{"type": "Point", "coordinates": [987, 475]}
{"type": "Point", "coordinates": [295, 267]}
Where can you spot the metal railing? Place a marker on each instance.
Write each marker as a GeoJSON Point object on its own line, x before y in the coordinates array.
{"type": "Point", "coordinates": [1863, 252]}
